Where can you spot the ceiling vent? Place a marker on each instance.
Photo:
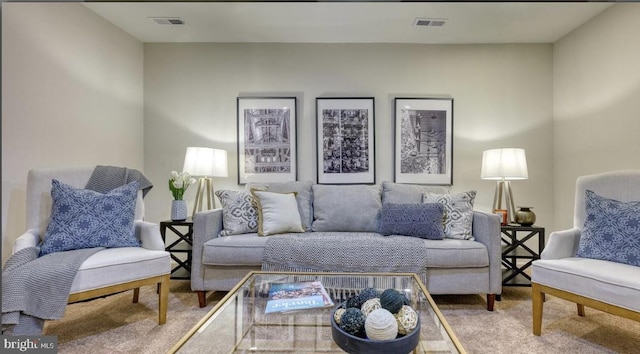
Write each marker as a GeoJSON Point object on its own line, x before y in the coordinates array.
{"type": "Point", "coordinates": [173, 21]}
{"type": "Point", "coordinates": [430, 22]}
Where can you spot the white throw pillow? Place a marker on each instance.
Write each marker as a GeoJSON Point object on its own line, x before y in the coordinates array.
{"type": "Point", "coordinates": [277, 213]}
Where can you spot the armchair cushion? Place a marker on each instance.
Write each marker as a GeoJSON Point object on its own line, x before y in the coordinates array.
{"type": "Point", "coordinates": [611, 230]}
{"type": "Point", "coordinates": [82, 218]}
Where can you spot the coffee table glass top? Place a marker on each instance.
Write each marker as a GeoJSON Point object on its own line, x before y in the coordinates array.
{"type": "Point", "coordinates": [238, 323]}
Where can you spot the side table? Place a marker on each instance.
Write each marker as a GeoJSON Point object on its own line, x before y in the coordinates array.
{"type": "Point", "coordinates": [514, 247]}
{"type": "Point", "coordinates": [182, 244]}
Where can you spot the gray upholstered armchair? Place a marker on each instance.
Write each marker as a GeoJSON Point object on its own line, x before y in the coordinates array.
{"type": "Point", "coordinates": [599, 275]}
{"type": "Point", "coordinates": [110, 270]}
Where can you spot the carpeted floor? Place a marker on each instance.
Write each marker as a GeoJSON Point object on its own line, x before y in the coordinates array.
{"type": "Point", "coordinates": [115, 325]}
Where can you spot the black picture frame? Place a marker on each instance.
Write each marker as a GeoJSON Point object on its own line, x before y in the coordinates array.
{"type": "Point", "coordinates": [345, 140]}
{"type": "Point", "coordinates": [423, 140]}
{"type": "Point", "coordinates": [267, 139]}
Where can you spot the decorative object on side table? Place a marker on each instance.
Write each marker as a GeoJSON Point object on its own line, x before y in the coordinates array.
{"type": "Point", "coordinates": [503, 166]}
{"type": "Point", "coordinates": [178, 184]}
{"type": "Point", "coordinates": [525, 216]}
{"type": "Point", "coordinates": [206, 163]}
{"type": "Point", "coordinates": [373, 322]}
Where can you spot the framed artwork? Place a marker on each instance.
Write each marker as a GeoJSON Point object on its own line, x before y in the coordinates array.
{"type": "Point", "coordinates": [424, 140]}
{"type": "Point", "coordinates": [345, 140]}
{"type": "Point", "coordinates": [267, 139]}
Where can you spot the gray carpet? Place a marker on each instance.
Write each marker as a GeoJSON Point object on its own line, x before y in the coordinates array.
{"type": "Point", "coordinates": [115, 325]}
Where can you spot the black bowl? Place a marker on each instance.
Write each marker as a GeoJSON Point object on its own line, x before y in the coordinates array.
{"type": "Point", "coordinates": [356, 345]}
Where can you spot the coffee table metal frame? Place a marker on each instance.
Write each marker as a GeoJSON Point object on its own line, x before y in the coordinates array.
{"type": "Point", "coordinates": [253, 296]}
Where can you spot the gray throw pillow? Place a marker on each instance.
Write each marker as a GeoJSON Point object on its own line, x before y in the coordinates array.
{"type": "Point", "coordinates": [304, 196]}
{"type": "Point", "coordinates": [239, 212]}
{"type": "Point", "coordinates": [458, 213]}
{"type": "Point", "coordinates": [346, 208]}
{"type": "Point", "coordinates": [611, 230]}
{"type": "Point", "coordinates": [399, 193]}
{"type": "Point", "coordinates": [422, 220]}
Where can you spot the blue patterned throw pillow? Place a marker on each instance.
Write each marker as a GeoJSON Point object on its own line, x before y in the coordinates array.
{"type": "Point", "coordinates": [611, 230]}
{"type": "Point", "coordinates": [418, 220]}
{"type": "Point", "coordinates": [458, 213]}
{"type": "Point", "coordinates": [82, 218]}
{"type": "Point", "coordinates": [239, 212]}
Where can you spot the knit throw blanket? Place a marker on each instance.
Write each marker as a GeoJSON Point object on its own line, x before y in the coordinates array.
{"type": "Point", "coordinates": [105, 178]}
{"type": "Point", "coordinates": [345, 252]}
{"type": "Point", "coordinates": [36, 289]}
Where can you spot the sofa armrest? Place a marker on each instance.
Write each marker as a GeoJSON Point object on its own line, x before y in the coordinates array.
{"type": "Point", "coordinates": [149, 234]}
{"type": "Point", "coordinates": [562, 244]}
{"type": "Point", "coordinates": [486, 230]}
{"type": "Point", "coordinates": [206, 226]}
{"type": "Point", "coordinates": [30, 238]}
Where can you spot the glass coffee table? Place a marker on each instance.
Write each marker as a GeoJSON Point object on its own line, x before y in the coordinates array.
{"type": "Point", "coordinates": [238, 323]}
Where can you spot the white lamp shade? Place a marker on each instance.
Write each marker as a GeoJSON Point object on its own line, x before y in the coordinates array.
{"type": "Point", "coordinates": [202, 161]}
{"type": "Point", "coordinates": [507, 164]}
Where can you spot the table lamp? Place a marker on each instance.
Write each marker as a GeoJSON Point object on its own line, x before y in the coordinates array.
{"type": "Point", "coordinates": [503, 166]}
{"type": "Point", "coordinates": [205, 163]}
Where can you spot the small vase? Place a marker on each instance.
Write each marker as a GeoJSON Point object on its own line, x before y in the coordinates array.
{"type": "Point", "coordinates": [525, 217]}
{"type": "Point", "coordinates": [178, 210]}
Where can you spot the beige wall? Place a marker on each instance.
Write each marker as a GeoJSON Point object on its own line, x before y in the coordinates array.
{"type": "Point", "coordinates": [502, 98]}
{"type": "Point", "coordinates": [71, 96]}
{"type": "Point", "coordinates": [596, 102]}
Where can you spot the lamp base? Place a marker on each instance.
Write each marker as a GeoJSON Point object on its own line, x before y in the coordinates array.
{"type": "Point", "coordinates": [204, 183]}
{"type": "Point", "coordinates": [504, 187]}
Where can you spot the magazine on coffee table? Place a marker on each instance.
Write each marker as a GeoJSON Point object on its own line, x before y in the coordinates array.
{"type": "Point", "coordinates": [285, 297]}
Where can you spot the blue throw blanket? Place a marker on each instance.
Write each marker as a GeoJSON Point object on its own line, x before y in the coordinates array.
{"type": "Point", "coordinates": [36, 289]}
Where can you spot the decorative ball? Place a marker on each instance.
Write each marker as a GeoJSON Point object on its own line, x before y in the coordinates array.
{"type": "Point", "coordinates": [338, 314]}
{"type": "Point", "coordinates": [370, 305]}
{"type": "Point", "coordinates": [392, 300]}
{"type": "Point", "coordinates": [407, 319]}
{"type": "Point", "coordinates": [368, 294]}
{"type": "Point", "coordinates": [381, 325]}
{"type": "Point", "coordinates": [353, 301]}
{"type": "Point", "coordinates": [352, 321]}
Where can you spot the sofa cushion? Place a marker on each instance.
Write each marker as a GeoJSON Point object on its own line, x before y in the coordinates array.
{"type": "Point", "coordinates": [82, 218]}
{"type": "Point", "coordinates": [422, 220]}
{"type": "Point", "coordinates": [453, 253]}
{"type": "Point", "coordinates": [609, 282]}
{"type": "Point", "coordinates": [304, 196]}
{"type": "Point", "coordinates": [611, 230]}
{"type": "Point", "coordinates": [458, 212]}
{"type": "Point", "coordinates": [277, 213]}
{"type": "Point", "coordinates": [346, 208]}
{"type": "Point", "coordinates": [399, 193]}
{"type": "Point", "coordinates": [248, 250]}
{"type": "Point", "coordinates": [239, 212]}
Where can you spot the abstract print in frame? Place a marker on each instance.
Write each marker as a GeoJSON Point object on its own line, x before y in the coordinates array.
{"type": "Point", "coordinates": [267, 139]}
{"type": "Point", "coordinates": [424, 140]}
{"type": "Point", "coordinates": [345, 140]}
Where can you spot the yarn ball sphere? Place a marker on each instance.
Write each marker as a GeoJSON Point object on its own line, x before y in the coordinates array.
{"type": "Point", "coordinates": [352, 321]}
{"type": "Point", "coordinates": [338, 314]}
{"type": "Point", "coordinates": [381, 325]}
{"type": "Point", "coordinates": [392, 300]}
{"type": "Point", "coordinates": [407, 319]}
{"type": "Point", "coordinates": [370, 305]}
{"type": "Point", "coordinates": [367, 294]}
{"type": "Point", "coordinates": [353, 301]}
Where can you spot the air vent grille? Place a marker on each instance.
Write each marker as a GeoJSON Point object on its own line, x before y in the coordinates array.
{"type": "Point", "coordinates": [430, 22]}
{"type": "Point", "coordinates": [173, 21]}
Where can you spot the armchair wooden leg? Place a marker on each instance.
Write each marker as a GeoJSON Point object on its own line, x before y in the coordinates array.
{"type": "Point", "coordinates": [136, 295]}
{"type": "Point", "coordinates": [163, 299]}
{"type": "Point", "coordinates": [580, 310]}
{"type": "Point", "coordinates": [202, 298]}
{"type": "Point", "coordinates": [491, 299]}
{"type": "Point", "coordinates": [537, 301]}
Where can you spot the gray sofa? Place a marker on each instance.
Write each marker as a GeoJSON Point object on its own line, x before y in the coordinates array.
{"type": "Point", "coordinates": [454, 266]}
